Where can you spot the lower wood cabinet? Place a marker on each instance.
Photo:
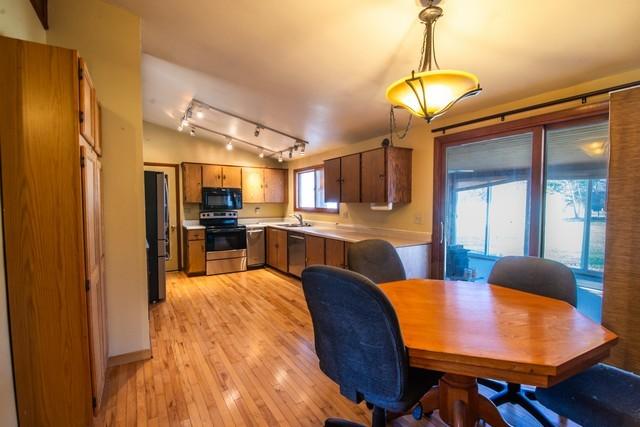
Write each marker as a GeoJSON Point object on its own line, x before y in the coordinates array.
{"type": "Point", "coordinates": [277, 248]}
{"type": "Point", "coordinates": [334, 253]}
{"type": "Point", "coordinates": [194, 252]}
{"type": "Point", "coordinates": [314, 250]}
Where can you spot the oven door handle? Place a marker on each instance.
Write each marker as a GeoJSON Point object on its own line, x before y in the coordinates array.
{"type": "Point", "coordinates": [225, 230]}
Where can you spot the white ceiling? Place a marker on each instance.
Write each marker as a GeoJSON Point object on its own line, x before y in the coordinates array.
{"type": "Point", "coordinates": [318, 70]}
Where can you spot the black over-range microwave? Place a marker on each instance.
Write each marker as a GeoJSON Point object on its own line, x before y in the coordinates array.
{"type": "Point", "coordinates": [221, 199]}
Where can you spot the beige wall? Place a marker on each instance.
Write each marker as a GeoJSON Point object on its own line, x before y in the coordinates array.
{"type": "Point", "coordinates": [17, 20]}
{"type": "Point", "coordinates": [418, 215]}
{"type": "Point", "coordinates": [108, 38]}
{"type": "Point", "coordinates": [164, 145]}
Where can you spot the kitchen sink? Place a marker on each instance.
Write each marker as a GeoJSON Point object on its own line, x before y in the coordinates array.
{"type": "Point", "coordinates": [296, 225]}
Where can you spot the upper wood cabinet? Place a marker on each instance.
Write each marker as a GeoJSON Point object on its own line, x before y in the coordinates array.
{"type": "Point", "coordinates": [192, 182]}
{"type": "Point", "coordinates": [386, 175]}
{"type": "Point", "coordinates": [350, 178]}
{"type": "Point", "coordinates": [259, 185]}
{"type": "Point", "coordinates": [253, 185]}
{"type": "Point", "coordinates": [332, 180]}
{"type": "Point", "coordinates": [97, 126]}
{"type": "Point", "coordinates": [232, 177]}
{"type": "Point", "coordinates": [275, 185]}
{"type": "Point", "coordinates": [211, 176]}
{"type": "Point", "coordinates": [382, 175]}
{"type": "Point", "coordinates": [342, 179]}
{"type": "Point", "coordinates": [88, 103]}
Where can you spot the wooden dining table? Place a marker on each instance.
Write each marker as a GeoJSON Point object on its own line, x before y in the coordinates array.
{"type": "Point", "coordinates": [473, 330]}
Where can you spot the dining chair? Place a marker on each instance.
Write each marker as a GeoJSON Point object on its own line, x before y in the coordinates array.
{"type": "Point", "coordinates": [359, 344]}
{"type": "Point", "coordinates": [377, 260]}
{"type": "Point", "coordinates": [536, 276]}
{"type": "Point", "coordinates": [600, 396]}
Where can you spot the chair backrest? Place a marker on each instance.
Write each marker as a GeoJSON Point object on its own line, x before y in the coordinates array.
{"type": "Point", "coordinates": [376, 259]}
{"type": "Point", "coordinates": [357, 335]}
{"type": "Point", "coordinates": [537, 276]}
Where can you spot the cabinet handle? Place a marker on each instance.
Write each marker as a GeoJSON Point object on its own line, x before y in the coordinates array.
{"type": "Point", "coordinates": [224, 176]}
{"type": "Point", "coordinates": [381, 175]}
{"type": "Point", "coordinates": [218, 176]}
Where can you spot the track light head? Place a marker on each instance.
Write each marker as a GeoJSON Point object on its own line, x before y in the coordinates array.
{"type": "Point", "coordinates": [229, 144]}
{"type": "Point", "coordinates": [199, 114]}
{"type": "Point", "coordinates": [192, 132]}
{"type": "Point", "coordinates": [257, 131]}
{"type": "Point", "coordinates": [261, 155]}
{"type": "Point", "coordinates": [280, 158]}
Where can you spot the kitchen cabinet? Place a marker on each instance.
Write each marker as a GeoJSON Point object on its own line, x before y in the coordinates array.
{"type": "Point", "coordinates": [212, 176]}
{"type": "Point", "coordinates": [342, 179]}
{"type": "Point", "coordinates": [314, 248]}
{"type": "Point", "coordinates": [334, 253]}
{"type": "Point", "coordinates": [97, 126]}
{"type": "Point", "coordinates": [88, 103]}
{"type": "Point", "coordinates": [194, 262]}
{"type": "Point", "coordinates": [192, 182]}
{"type": "Point", "coordinates": [275, 185]}
{"type": "Point", "coordinates": [386, 175]}
{"type": "Point", "coordinates": [382, 175]}
{"type": "Point", "coordinates": [350, 178]}
{"type": "Point", "coordinates": [53, 243]}
{"type": "Point", "coordinates": [277, 248]}
{"type": "Point", "coordinates": [253, 185]}
{"type": "Point", "coordinates": [232, 176]}
{"type": "Point", "coordinates": [332, 180]}
{"type": "Point", "coordinates": [93, 246]}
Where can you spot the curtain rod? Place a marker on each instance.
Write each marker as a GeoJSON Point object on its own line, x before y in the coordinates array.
{"type": "Point", "coordinates": [502, 115]}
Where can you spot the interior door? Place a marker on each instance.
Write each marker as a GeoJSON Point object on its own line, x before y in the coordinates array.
{"type": "Point", "coordinates": [486, 212]}
{"type": "Point", "coordinates": [172, 263]}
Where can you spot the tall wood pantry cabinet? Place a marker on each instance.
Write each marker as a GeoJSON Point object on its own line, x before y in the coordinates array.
{"type": "Point", "coordinates": [52, 221]}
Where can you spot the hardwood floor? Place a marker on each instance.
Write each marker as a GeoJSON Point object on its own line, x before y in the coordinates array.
{"type": "Point", "coordinates": [233, 350]}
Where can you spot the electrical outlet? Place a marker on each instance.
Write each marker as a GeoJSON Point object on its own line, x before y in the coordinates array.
{"type": "Point", "coordinates": [345, 214]}
{"type": "Point", "coordinates": [256, 210]}
{"type": "Point", "coordinates": [417, 219]}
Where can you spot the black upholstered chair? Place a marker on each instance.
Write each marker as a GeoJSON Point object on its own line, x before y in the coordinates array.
{"type": "Point", "coordinates": [359, 344]}
{"type": "Point", "coordinates": [600, 396]}
{"type": "Point", "coordinates": [537, 276]}
{"type": "Point", "coordinates": [377, 260]}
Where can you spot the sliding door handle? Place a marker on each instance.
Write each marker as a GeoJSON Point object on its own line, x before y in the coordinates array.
{"type": "Point", "coordinates": [441, 232]}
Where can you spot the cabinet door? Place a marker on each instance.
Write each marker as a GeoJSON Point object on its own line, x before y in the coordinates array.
{"type": "Point", "coordinates": [350, 178]}
{"type": "Point", "coordinates": [192, 182]}
{"type": "Point", "coordinates": [275, 185]}
{"type": "Point", "coordinates": [211, 176]}
{"type": "Point", "coordinates": [97, 126]}
{"type": "Point", "coordinates": [314, 250]}
{"type": "Point", "coordinates": [253, 185]}
{"type": "Point", "coordinates": [195, 256]}
{"type": "Point", "coordinates": [87, 103]}
{"type": "Point", "coordinates": [92, 223]}
{"type": "Point", "coordinates": [334, 253]}
{"type": "Point", "coordinates": [374, 188]}
{"type": "Point", "coordinates": [332, 180]}
{"type": "Point", "coordinates": [399, 175]}
{"type": "Point", "coordinates": [277, 248]}
{"type": "Point", "coordinates": [232, 177]}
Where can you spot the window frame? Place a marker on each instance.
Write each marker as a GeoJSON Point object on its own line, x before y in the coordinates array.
{"type": "Point", "coordinates": [296, 208]}
{"type": "Point", "coordinates": [535, 124]}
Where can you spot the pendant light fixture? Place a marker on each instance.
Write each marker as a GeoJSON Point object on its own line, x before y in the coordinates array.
{"type": "Point", "coordinates": [430, 92]}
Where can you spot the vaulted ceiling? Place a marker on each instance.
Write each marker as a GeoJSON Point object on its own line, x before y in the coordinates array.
{"type": "Point", "coordinates": [319, 70]}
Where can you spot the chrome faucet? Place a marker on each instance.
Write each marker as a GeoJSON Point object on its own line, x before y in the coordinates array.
{"type": "Point", "coordinates": [299, 218]}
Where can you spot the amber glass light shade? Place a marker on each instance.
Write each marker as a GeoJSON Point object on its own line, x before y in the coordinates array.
{"type": "Point", "coordinates": [430, 93]}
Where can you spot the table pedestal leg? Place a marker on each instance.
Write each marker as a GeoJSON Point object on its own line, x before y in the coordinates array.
{"type": "Point", "coordinates": [460, 404]}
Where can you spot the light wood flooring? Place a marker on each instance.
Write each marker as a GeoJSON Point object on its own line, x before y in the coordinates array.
{"type": "Point", "coordinates": [234, 350]}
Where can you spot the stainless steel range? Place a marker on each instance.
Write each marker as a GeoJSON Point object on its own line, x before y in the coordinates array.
{"type": "Point", "coordinates": [225, 242]}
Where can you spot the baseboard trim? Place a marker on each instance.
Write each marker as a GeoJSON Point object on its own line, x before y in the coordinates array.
{"type": "Point", "coordinates": [123, 359]}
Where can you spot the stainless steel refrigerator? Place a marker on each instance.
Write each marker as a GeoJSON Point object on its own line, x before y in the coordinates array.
{"type": "Point", "coordinates": [157, 219]}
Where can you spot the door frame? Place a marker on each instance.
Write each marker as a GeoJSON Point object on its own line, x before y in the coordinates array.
{"type": "Point", "coordinates": [536, 125]}
{"type": "Point", "coordinates": [176, 166]}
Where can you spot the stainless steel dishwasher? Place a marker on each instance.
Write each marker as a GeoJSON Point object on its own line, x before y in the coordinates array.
{"type": "Point", "coordinates": [255, 247]}
{"type": "Point", "coordinates": [296, 247]}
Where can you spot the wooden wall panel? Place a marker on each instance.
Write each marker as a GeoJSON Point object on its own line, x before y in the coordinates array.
{"type": "Point", "coordinates": [621, 311]}
{"type": "Point", "coordinates": [42, 204]}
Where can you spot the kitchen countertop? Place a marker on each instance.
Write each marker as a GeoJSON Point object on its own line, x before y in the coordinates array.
{"type": "Point", "coordinates": [352, 234]}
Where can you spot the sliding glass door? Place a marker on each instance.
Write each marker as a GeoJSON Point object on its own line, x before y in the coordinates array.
{"type": "Point", "coordinates": [488, 188]}
{"type": "Point", "coordinates": [537, 190]}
